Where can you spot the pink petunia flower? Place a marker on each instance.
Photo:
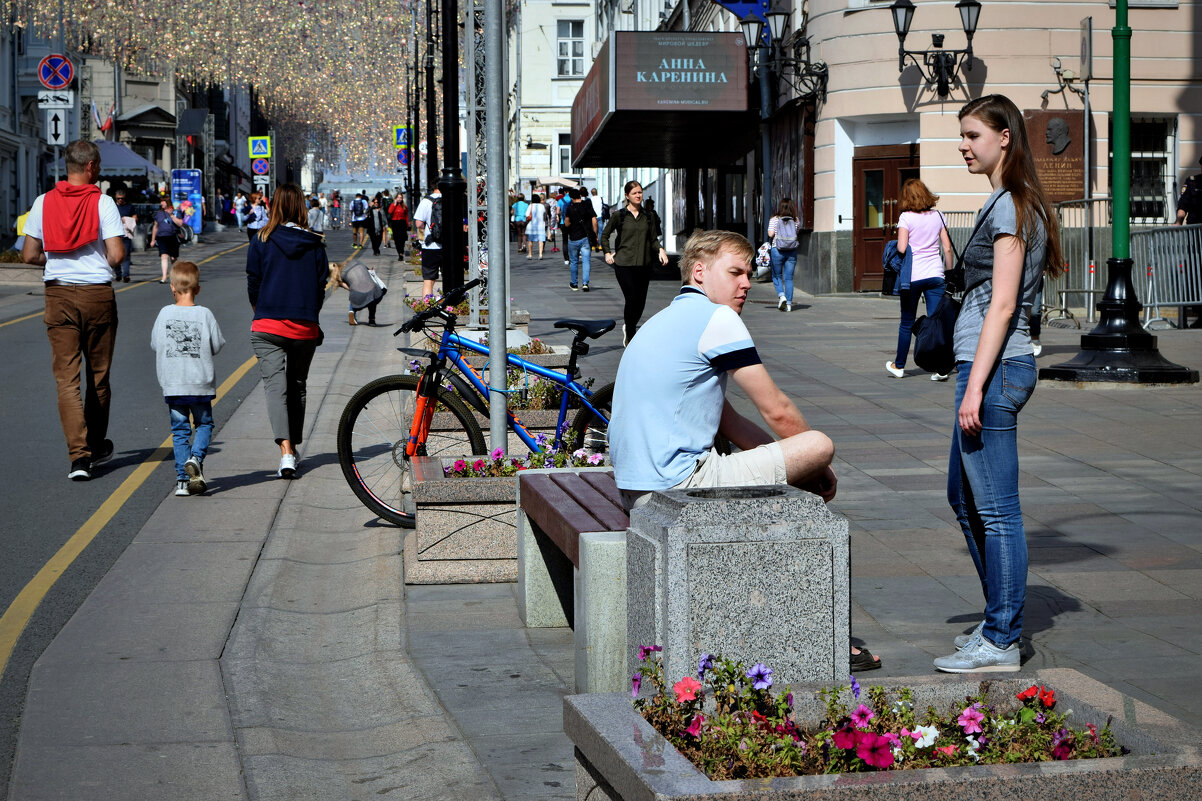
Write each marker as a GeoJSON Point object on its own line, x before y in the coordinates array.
{"type": "Point", "coordinates": [478, 464]}
{"type": "Point", "coordinates": [947, 749]}
{"type": "Point", "coordinates": [875, 750]}
{"type": "Point", "coordinates": [686, 689]}
{"type": "Point", "coordinates": [970, 720]}
{"type": "Point", "coordinates": [861, 716]}
{"type": "Point", "coordinates": [694, 729]}
{"type": "Point", "coordinates": [460, 464]}
{"type": "Point", "coordinates": [845, 739]}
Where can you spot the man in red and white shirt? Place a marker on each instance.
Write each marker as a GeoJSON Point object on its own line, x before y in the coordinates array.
{"type": "Point", "coordinates": [75, 232]}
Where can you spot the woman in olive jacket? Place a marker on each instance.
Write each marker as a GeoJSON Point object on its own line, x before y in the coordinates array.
{"type": "Point", "coordinates": [633, 254]}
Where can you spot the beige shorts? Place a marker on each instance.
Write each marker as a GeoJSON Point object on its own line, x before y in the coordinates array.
{"type": "Point", "coordinates": [762, 466]}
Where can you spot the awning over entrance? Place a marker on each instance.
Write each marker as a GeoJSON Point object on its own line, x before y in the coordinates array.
{"type": "Point", "coordinates": [662, 99]}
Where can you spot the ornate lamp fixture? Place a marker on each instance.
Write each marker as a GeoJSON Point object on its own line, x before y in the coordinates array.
{"type": "Point", "coordinates": [938, 66]}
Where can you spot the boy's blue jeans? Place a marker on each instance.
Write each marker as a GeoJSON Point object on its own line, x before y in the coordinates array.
{"type": "Point", "coordinates": [182, 417]}
{"type": "Point", "coordinates": [982, 488]}
{"type": "Point", "coordinates": [579, 254]}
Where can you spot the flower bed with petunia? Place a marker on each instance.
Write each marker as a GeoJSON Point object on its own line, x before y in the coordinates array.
{"type": "Point", "coordinates": [499, 465]}
{"type": "Point", "coordinates": [729, 724]}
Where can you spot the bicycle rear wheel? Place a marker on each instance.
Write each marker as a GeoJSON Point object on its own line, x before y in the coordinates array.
{"type": "Point", "coordinates": [589, 431]}
{"type": "Point", "coordinates": [371, 443]}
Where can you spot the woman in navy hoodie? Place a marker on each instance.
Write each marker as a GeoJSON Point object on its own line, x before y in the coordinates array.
{"type": "Point", "coordinates": [286, 272]}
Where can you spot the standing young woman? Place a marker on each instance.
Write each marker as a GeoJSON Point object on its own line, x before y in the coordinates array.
{"type": "Point", "coordinates": [286, 272]}
{"type": "Point", "coordinates": [256, 215]}
{"type": "Point", "coordinates": [782, 230]}
{"type": "Point", "coordinates": [398, 221]}
{"type": "Point", "coordinates": [922, 231]}
{"type": "Point", "coordinates": [164, 235]}
{"type": "Point", "coordinates": [536, 226]}
{"type": "Point", "coordinates": [1017, 242]}
{"type": "Point", "coordinates": [632, 255]}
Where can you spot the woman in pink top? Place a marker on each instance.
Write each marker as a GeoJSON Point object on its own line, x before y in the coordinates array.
{"type": "Point", "coordinates": [923, 232]}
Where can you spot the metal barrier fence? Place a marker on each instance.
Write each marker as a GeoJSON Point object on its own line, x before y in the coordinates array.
{"type": "Point", "coordinates": [1168, 270]}
{"type": "Point", "coordinates": [1085, 241]}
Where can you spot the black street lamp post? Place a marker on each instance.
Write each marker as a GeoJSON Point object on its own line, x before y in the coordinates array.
{"type": "Point", "coordinates": [938, 66]}
{"type": "Point", "coordinates": [451, 183]}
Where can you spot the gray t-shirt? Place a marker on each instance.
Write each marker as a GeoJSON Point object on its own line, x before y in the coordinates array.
{"type": "Point", "coordinates": [184, 339]}
{"type": "Point", "coordinates": [978, 267]}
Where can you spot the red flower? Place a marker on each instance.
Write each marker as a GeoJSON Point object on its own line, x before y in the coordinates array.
{"type": "Point", "coordinates": [845, 738]}
{"type": "Point", "coordinates": [1047, 697]}
{"type": "Point", "coordinates": [875, 750]}
{"type": "Point", "coordinates": [1028, 693]}
{"type": "Point", "coordinates": [686, 689]}
{"type": "Point", "coordinates": [1062, 751]}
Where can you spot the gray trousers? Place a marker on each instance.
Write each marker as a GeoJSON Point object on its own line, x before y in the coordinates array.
{"type": "Point", "coordinates": [284, 365]}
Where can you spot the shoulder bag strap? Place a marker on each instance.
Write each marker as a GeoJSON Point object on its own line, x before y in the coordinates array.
{"type": "Point", "coordinates": [956, 276]}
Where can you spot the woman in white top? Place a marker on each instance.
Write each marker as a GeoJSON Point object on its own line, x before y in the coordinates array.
{"type": "Point", "coordinates": [922, 231]}
{"type": "Point", "coordinates": [536, 226]}
{"type": "Point", "coordinates": [782, 230]}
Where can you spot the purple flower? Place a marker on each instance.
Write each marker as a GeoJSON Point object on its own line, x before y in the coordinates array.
{"type": "Point", "coordinates": [706, 663]}
{"type": "Point", "coordinates": [760, 675]}
{"type": "Point", "coordinates": [789, 700]}
{"type": "Point", "coordinates": [497, 453]}
{"type": "Point", "coordinates": [644, 650]}
{"type": "Point", "coordinates": [414, 364]}
{"type": "Point", "coordinates": [1040, 718]}
{"type": "Point", "coordinates": [596, 458]}
{"type": "Point", "coordinates": [636, 681]}
{"type": "Point", "coordinates": [855, 688]}
{"type": "Point", "coordinates": [541, 440]}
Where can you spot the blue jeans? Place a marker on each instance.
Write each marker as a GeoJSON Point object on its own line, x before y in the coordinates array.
{"type": "Point", "coordinates": [181, 433]}
{"type": "Point", "coordinates": [578, 252]}
{"type": "Point", "coordinates": [784, 262]}
{"type": "Point", "coordinates": [982, 488]}
{"type": "Point", "coordinates": [932, 290]}
{"type": "Point", "coordinates": [123, 270]}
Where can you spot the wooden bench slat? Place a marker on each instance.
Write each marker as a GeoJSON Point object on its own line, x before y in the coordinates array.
{"type": "Point", "coordinates": [607, 515]}
{"type": "Point", "coordinates": [604, 483]}
{"type": "Point", "coordinates": [556, 514]}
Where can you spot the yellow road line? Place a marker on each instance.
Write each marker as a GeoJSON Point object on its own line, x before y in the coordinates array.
{"type": "Point", "coordinates": [131, 286]}
{"type": "Point", "coordinates": [17, 616]}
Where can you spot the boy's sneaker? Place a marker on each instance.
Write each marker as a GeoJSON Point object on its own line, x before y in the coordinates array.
{"type": "Point", "coordinates": [81, 469]}
{"type": "Point", "coordinates": [788, 306]}
{"type": "Point", "coordinates": [181, 488]}
{"type": "Point", "coordinates": [287, 466]}
{"type": "Point", "coordinates": [584, 288]}
{"type": "Point", "coordinates": [964, 639]}
{"type": "Point", "coordinates": [981, 656]}
{"type": "Point", "coordinates": [780, 302]}
{"type": "Point", "coordinates": [196, 478]}
{"type": "Point", "coordinates": [102, 452]}
{"type": "Point", "coordinates": [573, 286]}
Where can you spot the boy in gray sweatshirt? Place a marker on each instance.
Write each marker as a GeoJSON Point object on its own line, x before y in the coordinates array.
{"type": "Point", "coordinates": [184, 339]}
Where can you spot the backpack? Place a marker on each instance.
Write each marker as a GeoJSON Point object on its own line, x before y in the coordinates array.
{"type": "Point", "coordinates": [358, 207]}
{"type": "Point", "coordinates": [786, 234]}
{"type": "Point", "coordinates": [434, 229]}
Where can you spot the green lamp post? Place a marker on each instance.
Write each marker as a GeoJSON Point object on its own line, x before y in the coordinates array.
{"type": "Point", "coordinates": [1118, 349]}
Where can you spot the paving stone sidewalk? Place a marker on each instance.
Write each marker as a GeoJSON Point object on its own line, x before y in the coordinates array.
{"type": "Point", "coordinates": [257, 643]}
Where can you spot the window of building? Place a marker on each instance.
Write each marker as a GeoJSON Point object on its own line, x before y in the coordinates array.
{"type": "Point", "coordinates": [565, 154]}
{"type": "Point", "coordinates": [1152, 180]}
{"type": "Point", "coordinates": [570, 48]}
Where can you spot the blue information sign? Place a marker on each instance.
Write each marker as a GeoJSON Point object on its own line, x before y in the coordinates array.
{"type": "Point", "coordinates": [187, 193]}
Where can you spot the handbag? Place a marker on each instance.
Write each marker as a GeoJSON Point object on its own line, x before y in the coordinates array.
{"type": "Point", "coordinates": [763, 260]}
{"type": "Point", "coordinates": [934, 333]}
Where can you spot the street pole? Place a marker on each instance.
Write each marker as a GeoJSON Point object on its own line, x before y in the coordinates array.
{"type": "Point", "coordinates": [495, 123]}
{"type": "Point", "coordinates": [765, 144]}
{"type": "Point", "coordinates": [451, 182]}
{"type": "Point", "coordinates": [1118, 349]}
{"type": "Point", "coordinates": [431, 128]}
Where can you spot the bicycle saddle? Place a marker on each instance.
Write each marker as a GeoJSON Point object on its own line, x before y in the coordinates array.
{"type": "Point", "coordinates": [590, 328]}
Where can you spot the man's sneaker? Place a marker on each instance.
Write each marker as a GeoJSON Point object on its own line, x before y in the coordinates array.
{"type": "Point", "coordinates": [1036, 347]}
{"type": "Point", "coordinates": [964, 639]}
{"type": "Point", "coordinates": [81, 469]}
{"type": "Point", "coordinates": [981, 656]}
{"type": "Point", "coordinates": [780, 302]}
{"type": "Point", "coordinates": [196, 478]}
{"type": "Point", "coordinates": [788, 306]}
{"type": "Point", "coordinates": [939, 376]}
{"type": "Point", "coordinates": [102, 452]}
{"type": "Point", "coordinates": [584, 287]}
{"type": "Point", "coordinates": [894, 370]}
{"type": "Point", "coordinates": [181, 488]}
{"type": "Point", "coordinates": [573, 286]}
{"type": "Point", "coordinates": [287, 466]}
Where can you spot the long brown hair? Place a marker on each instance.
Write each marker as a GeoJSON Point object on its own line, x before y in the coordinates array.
{"type": "Point", "coordinates": [786, 208]}
{"type": "Point", "coordinates": [1018, 173]}
{"type": "Point", "coordinates": [288, 206]}
{"type": "Point", "coordinates": [916, 197]}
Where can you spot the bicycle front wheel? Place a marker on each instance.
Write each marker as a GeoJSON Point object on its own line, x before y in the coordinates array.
{"type": "Point", "coordinates": [588, 430]}
{"type": "Point", "coordinates": [371, 443]}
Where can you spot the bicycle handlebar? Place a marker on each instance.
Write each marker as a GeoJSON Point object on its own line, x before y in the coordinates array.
{"type": "Point", "coordinates": [437, 307]}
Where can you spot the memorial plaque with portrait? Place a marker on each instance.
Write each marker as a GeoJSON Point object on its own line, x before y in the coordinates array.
{"type": "Point", "coordinates": [1058, 147]}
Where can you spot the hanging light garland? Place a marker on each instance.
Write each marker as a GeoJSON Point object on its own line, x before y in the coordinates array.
{"type": "Point", "coordinates": [327, 72]}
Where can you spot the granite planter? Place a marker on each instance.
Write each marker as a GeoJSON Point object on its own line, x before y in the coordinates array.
{"type": "Point", "coordinates": [466, 528]}
{"type": "Point", "coordinates": [620, 757]}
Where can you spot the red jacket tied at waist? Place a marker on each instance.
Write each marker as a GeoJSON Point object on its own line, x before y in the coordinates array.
{"type": "Point", "coordinates": [70, 217]}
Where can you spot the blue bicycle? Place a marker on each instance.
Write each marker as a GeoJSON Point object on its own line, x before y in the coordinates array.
{"type": "Point", "coordinates": [394, 418]}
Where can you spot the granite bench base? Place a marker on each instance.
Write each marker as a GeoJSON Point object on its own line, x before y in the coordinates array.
{"type": "Point", "coordinates": [588, 595]}
{"type": "Point", "coordinates": [620, 757]}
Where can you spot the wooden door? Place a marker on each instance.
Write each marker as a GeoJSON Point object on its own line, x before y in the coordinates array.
{"type": "Point", "coordinates": [878, 174]}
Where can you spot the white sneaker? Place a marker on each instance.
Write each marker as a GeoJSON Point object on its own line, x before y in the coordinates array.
{"type": "Point", "coordinates": [1036, 347]}
{"type": "Point", "coordinates": [780, 302]}
{"type": "Point", "coordinates": [287, 466]}
{"type": "Point", "coordinates": [196, 477]}
{"type": "Point", "coordinates": [979, 655]}
{"type": "Point", "coordinates": [181, 489]}
{"type": "Point", "coordinates": [788, 306]}
{"type": "Point", "coordinates": [939, 376]}
{"type": "Point", "coordinates": [894, 371]}
{"type": "Point", "coordinates": [625, 339]}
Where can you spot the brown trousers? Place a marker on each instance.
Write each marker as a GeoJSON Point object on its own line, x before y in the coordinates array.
{"type": "Point", "coordinates": [81, 323]}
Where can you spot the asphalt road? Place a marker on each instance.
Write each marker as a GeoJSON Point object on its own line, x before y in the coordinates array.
{"type": "Point", "coordinates": [40, 509]}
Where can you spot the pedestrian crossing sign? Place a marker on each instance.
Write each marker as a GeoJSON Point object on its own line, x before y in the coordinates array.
{"type": "Point", "coordinates": [400, 136]}
{"type": "Point", "coordinates": [260, 146]}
